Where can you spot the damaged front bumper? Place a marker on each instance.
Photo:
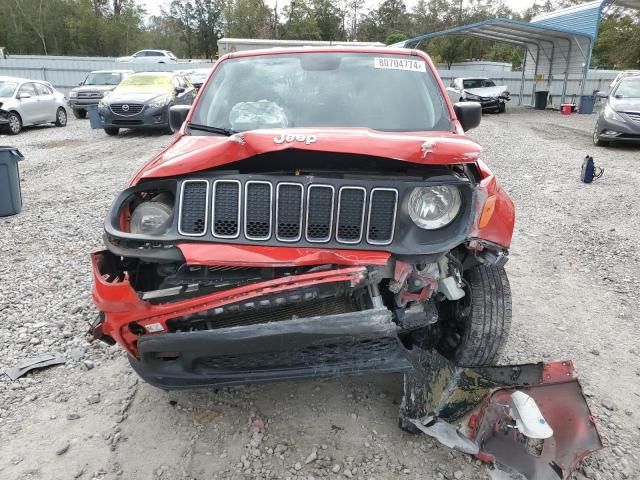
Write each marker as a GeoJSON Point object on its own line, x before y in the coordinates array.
{"type": "Point", "coordinates": [197, 342]}
{"type": "Point", "coordinates": [327, 346]}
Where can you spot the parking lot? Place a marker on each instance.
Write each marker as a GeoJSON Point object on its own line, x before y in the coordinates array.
{"type": "Point", "coordinates": [573, 270]}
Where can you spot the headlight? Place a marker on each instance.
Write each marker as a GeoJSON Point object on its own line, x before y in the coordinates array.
{"type": "Point", "coordinates": [151, 217]}
{"type": "Point", "coordinates": [434, 207]}
{"type": "Point", "coordinates": [610, 114]}
{"type": "Point", "coordinates": [474, 98]}
{"type": "Point", "coordinates": [73, 94]}
{"type": "Point", "coordinates": [159, 102]}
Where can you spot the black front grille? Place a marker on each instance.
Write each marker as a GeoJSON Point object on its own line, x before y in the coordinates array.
{"type": "Point", "coordinates": [360, 353]}
{"type": "Point", "coordinates": [126, 109]}
{"type": "Point", "coordinates": [257, 210]}
{"type": "Point", "coordinates": [289, 212]}
{"type": "Point", "coordinates": [350, 214]}
{"type": "Point", "coordinates": [226, 209]}
{"type": "Point", "coordinates": [382, 212]}
{"type": "Point", "coordinates": [193, 207]}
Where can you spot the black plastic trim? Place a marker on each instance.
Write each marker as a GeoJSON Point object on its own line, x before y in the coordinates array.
{"type": "Point", "coordinates": [408, 238]}
{"type": "Point", "coordinates": [286, 336]}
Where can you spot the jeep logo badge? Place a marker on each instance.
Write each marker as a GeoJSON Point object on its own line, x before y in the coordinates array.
{"type": "Point", "coordinates": [289, 138]}
{"type": "Point", "coordinates": [125, 108]}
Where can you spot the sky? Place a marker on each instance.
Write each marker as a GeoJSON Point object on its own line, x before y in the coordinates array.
{"type": "Point", "coordinates": [153, 6]}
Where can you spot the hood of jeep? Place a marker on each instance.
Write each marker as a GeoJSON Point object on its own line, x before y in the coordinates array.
{"type": "Point", "coordinates": [189, 154]}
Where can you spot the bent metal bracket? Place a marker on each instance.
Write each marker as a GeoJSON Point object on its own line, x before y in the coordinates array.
{"type": "Point", "coordinates": [469, 409]}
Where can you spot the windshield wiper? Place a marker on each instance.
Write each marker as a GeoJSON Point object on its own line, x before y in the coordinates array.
{"type": "Point", "coordinates": [206, 128]}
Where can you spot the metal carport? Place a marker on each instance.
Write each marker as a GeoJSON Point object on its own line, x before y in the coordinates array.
{"type": "Point", "coordinates": [548, 51]}
{"type": "Point", "coordinates": [558, 43]}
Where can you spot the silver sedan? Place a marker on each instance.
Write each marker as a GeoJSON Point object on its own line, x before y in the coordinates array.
{"type": "Point", "coordinates": [26, 102]}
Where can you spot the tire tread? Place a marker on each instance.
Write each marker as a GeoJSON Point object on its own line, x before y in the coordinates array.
{"type": "Point", "coordinates": [490, 319]}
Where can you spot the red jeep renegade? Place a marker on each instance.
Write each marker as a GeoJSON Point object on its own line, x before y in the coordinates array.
{"type": "Point", "coordinates": [319, 213]}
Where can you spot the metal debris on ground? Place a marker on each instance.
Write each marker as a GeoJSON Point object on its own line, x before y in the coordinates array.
{"type": "Point", "coordinates": [528, 422]}
{"type": "Point", "coordinates": [25, 366]}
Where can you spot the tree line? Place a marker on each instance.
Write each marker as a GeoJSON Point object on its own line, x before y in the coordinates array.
{"type": "Point", "coordinates": [191, 28]}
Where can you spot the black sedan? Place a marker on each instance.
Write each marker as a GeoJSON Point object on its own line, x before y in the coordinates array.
{"type": "Point", "coordinates": [143, 100]}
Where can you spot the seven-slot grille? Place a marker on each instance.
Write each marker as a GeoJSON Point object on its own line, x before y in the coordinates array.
{"type": "Point", "coordinates": [260, 210]}
{"type": "Point", "coordinates": [126, 109]}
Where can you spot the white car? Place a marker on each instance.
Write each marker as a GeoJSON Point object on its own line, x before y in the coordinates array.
{"type": "Point", "coordinates": [492, 97]}
{"type": "Point", "coordinates": [150, 56]}
{"type": "Point", "coordinates": [25, 102]}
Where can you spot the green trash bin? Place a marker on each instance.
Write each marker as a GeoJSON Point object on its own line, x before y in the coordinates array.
{"type": "Point", "coordinates": [586, 104]}
{"type": "Point", "coordinates": [10, 193]}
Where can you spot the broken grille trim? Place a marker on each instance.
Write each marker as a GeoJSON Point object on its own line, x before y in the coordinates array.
{"type": "Point", "coordinates": [393, 222]}
{"type": "Point", "coordinates": [213, 208]}
{"type": "Point", "coordinates": [333, 201]}
{"type": "Point", "coordinates": [296, 239]}
{"type": "Point", "coordinates": [364, 208]}
{"type": "Point", "coordinates": [206, 209]}
{"type": "Point", "coordinates": [246, 195]}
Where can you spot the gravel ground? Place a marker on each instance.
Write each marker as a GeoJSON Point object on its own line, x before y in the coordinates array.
{"type": "Point", "coordinates": [574, 273]}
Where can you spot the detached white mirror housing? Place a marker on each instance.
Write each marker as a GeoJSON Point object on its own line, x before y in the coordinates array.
{"type": "Point", "coordinates": [528, 417]}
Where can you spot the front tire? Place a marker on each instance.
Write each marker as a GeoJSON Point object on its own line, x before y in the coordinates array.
{"type": "Point", "coordinates": [111, 131]}
{"type": "Point", "coordinates": [502, 107]}
{"type": "Point", "coordinates": [596, 138]}
{"type": "Point", "coordinates": [61, 117]}
{"type": "Point", "coordinates": [168, 130]}
{"type": "Point", "coordinates": [476, 327]}
{"type": "Point", "coordinates": [79, 114]}
{"type": "Point", "coordinates": [14, 126]}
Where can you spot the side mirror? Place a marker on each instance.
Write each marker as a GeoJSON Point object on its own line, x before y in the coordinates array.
{"type": "Point", "coordinates": [469, 114]}
{"type": "Point", "coordinates": [600, 94]}
{"type": "Point", "coordinates": [177, 115]}
{"type": "Point", "coordinates": [23, 95]}
{"type": "Point", "coordinates": [179, 90]}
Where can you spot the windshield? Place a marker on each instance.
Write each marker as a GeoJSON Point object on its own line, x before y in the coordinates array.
{"type": "Point", "coordinates": [628, 88]}
{"type": "Point", "coordinates": [7, 88]}
{"type": "Point", "coordinates": [147, 83]}
{"type": "Point", "coordinates": [377, 91]}
{"type": "Point", "coordinates": [478, 83]}
{"type": "Point", "coordinates": [103, 78]}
